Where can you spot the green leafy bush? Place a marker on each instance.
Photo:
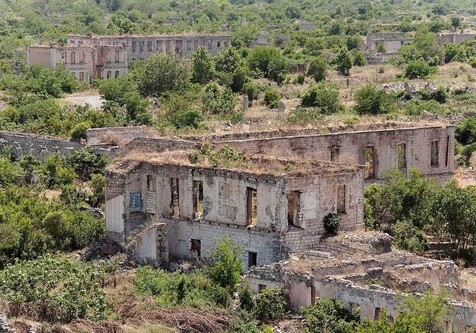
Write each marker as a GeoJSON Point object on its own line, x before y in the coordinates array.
{"type": "Point", "coordinates": [417, 69]}
{"type": "Point", "coordinates": [331, 223]}
{"type": "Point", "coordinates": [227, 263]}
{"type": "Point", "coordinates": [271, 98]}
{"type": "Point", "coordinates": [330, 315]}
{"type": "Point", "coordinates": [269, 305]}
{"type": "Point", "coordinates": [323, 95]}
{"type": "Point", "coordinates": [53, 290]}
{"type": "Point", "coordinates": [371, 101]}
{"type": "Point", "coordinates": [318, 69]}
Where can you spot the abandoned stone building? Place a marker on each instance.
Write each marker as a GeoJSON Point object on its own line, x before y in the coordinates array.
{"type": "Point", "coordinates": [270, 206]}
{"type": "Point", "coordinates": [85, 62]}
{"type": "Point", "coordinates": [381, 46]}
{"type": "Point", "coordinates": [90, 57]}
{"type": "Point", "coordinates": [428, 148]}
{"type": "Point", "coordinates": [156, 199]}
{"type": "Point", "coordinates": [361, 270]}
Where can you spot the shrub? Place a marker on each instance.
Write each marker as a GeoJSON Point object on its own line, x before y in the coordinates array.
{"type": "Point", "coordinates": [330, 315]}
{"type": "Point", "coordinates": [247, 301]}
{"type": "Point", "coordinates": [270, 305]}
{"type": "Point", "coordinates": [371, 101]}
{"type": "Point", "coordinates": [318, 69]}
{"type": "Point", "coordinates": [187, 119]}
{"type": "Point", "coordinates": [86, 162]}
{"type": "Point", "coordinates": [251, 89]}
{"type": "Point", "coordinates": [466, 131]}
{"type": "Point", "coordinates": [269, 61]}
{"type": "Point", "coordinates": [227, 263]}
{"type": "Point", "coordinates": [331, 223]}
{"type": "Point", "coordinates": [271, 98]}
{"type": "Point", "coordinates": [54, 290]}
{"type": "Point", "coordinates": [323, 95]}
{"type": "Point", "coordinates": [417, 69]}
{"type": "Point", "coordinates": [343, 61]}
{"type": "Point", "coordinates": [79, 130]}
{"type": "Point", "coordinates": [217, 100]}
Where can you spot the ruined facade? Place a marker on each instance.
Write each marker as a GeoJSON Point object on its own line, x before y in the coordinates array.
{"type": "Point", "coordinates": [90, 57]}
{"type": "Point", "coordinates": [289, 205]}
{"type": "Point", "coordinates": [271, 207]}
{"type": "Point", "coordinates": [382, 46]}
{"type": "Point", "coordinates": [362, 271]}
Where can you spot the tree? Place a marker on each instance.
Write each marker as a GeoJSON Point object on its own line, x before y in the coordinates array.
{"type": "Point", "coordinates": [455, 22]}
{"type": "Point", "coordinates": [269, 305]}
{"type": "Point", "coordinates": [369, 100]}
{"type": "Point", "coordinates": [318, 69]}
{"type": "Point", "coordinates": [425, 45]}
{"type": "Point", "coordinates": [323, 95]}
{"type": "Point", "coordinates": [466, 131]}
{"type": "Point", "coordinates": [203, 66]}
{"type": "Point", "coordinates": [227, 263]}
{"type": "Point", "coordinates": [86, 162]}
{"type": "Point", "coordinates": [98, 187]}
{"type": "Point", "coordinates": [228, 60]}
{"type": "Point", "coordinates": [343, 61]}
{"type": "Point", "coordinates": [160, 74]}
{"type": "Point", "coordinates": [269, 62]}
{"type": "Point", "coordinates": [217, 100]}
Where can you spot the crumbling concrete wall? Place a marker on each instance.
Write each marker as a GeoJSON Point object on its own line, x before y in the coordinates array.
{"type": "Point", "coordinates": [150, 245]}
{"type": "Point", "coordinates": [39, 146]}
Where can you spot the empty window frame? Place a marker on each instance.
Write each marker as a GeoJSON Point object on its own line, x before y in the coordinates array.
{"type": "Point", "coordinates": [251, 207]}
{"type": "Point", "coordinates": [369, 153]}
{"type": "Point", "coordinates": [196, 247]}
{"type": "Point", "coordinates": [116, 74]}
{"type": "Point", "coordinates": [135, 202]}
{"type": "Point", "coordinates": [377, 313]}
{"type": "Point", "coordinates": [252, 259]}
{"type": "Point", "coordinates": [73, 57]}
{"type": "Point", "coordinates": [341, 199]}
{"type": "Point", "coordinates": [335, 153]}
{"type": "Point", "coordinates": [151, 183]}
{"type": "Point", "coordinates": [402, 156]}
{"type": "Point", "coordinates": [116, 56]}
{"type": "Point", "coordinates": [108, 74]}
{"type": "Point", "coordinates": [141, 46]}
{"type": "Point", "coordinates": [149, 46]}
{"type": "Point", "coordinates": [447, 162]}
{"type": "Point", "coordinates": [197, 197]}
{"type": "Point", "coordinates": [294, 208]}
{"type": "Point", "coordinates": [81, 76]}
{"type": "Point", "coordinates": [435, 153]}
{"type": "Point", "coordinates": [174, 200]}
{"type": "Point", "coordinates": [134, 46]}
{"type": "Point", "coordinates": [261, 287]}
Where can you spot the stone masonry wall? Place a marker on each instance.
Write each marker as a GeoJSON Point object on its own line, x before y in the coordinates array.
{"type": "Point", "coordinates": [267, 245]}
{"type": "Point", "coordinates": [39, 146]}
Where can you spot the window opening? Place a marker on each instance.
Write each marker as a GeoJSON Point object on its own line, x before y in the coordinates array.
{"type": "Point", "coordinates": [335, 153]}
{"type": "Point", "coordinates": [196, 247]}
{"type": "Point", "coordinates": [252, 211]}
{"type": "Point", "coordinates": [294, 208]}
{"type": "Point", "coordinates": [434, 158]}
{"type": "Point", "coordinates": [369, 162]}
{"type": "Point", "coordinates": [151, 183]}
{"type": "Point", "coordinates": [252, 259]}
{"type": "Point", "coordinates": [174, 202]}
{"type": "Point", "coordinates": [197, 199]}
{"type": "Point", "coordinates": [402, 156]}
{"type": "Point", "coordinates": [135, 203]}
{"type": "Point", "coordinates": [341, 196]}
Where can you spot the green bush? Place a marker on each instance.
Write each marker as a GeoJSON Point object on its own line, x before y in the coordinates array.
{"type": "Point", "coordinates": [371, 101]}
{"type": "Point", "coordinates": [53, 290]}
{"type": "Point", "coordinates": [271, 98]}
{"type": "Point", "coordinates": [270, 305]}
{"type": "Point", "coordinates": [227, 263]}
{"type": "Point", "coordinates": [269, 62]}
{"type": "Point", "coordinates": [465, 131]}
{"type": "Point", "coordinates": [417, 69]}
{"type": "Point", "coordinates": [86, 162]}
{"type": "Point", "coordinates": [323, 95]}
{"type": "Point", "coordinates": [331, 223]}
{"type": "Point", "coordinates": [330, 315]}
{"type": "Point", "coordinates": [251, 90]}
{"type": "Point", "coordinates": [79, 130]}
{"type": "Point", "coordinates": [318, 69]}
{"type": "Point", "coordinates": [217, 100]}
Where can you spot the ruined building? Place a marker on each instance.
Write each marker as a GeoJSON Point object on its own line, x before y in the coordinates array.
{"type": "Point", "coordinates": [89, 57]}
{"type": "Point", "coordinates": [361, 270]}
{"type": "Point", "coordinates": [161, 204]}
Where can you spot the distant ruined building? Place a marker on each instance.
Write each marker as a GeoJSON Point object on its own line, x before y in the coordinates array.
{"type": "Point", "coordinates": [103, 57]}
